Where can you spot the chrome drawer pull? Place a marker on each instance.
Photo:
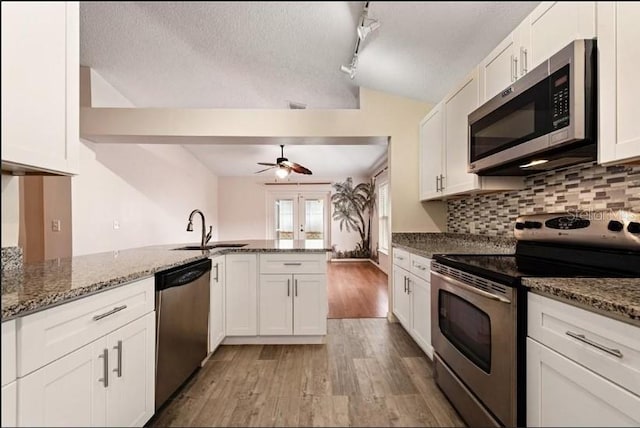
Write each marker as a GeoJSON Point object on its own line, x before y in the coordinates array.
{"type": "Point", "coordinates": [419, 266]}
{"type": "Point", "coordinates": [399, 258]}
{"type": "Point", "coordinates": [582, 338]}
{"type": "Point", "coordinates": [105, 368]}
{"type": "Point", "coordinates": [111, 312]}
{"type": "Point", "coordinates": [118, 369]}
{"type": "Point", "coordinates": [293, 264]}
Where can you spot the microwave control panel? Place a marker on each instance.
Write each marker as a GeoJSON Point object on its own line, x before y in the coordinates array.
{"type": "Point", "coordinates": [560, 98]}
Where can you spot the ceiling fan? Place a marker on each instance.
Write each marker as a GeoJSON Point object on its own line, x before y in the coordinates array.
{"type": "Point", "coordinates": [284, 166]}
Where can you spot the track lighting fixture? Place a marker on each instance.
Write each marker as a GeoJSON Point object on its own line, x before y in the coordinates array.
{"type": "Point", "coordinates": [351, 68]}
{"type": "Point", "coordinates": [365, 27]}
{"type": "Point", "coordinates": [365, 30]}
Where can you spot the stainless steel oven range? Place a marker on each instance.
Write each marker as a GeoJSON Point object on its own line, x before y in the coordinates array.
{"type": "Point", "coordinates": [478, 305]}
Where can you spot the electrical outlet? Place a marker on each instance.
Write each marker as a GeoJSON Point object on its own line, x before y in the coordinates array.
{"type": "Point", "coordinates": [56, 225]}
{"type": "Point", "coordinates": [116, 225]}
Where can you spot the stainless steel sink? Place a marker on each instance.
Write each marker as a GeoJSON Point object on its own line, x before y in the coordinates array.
{"type": "Point", "coordinates": [210, 247]}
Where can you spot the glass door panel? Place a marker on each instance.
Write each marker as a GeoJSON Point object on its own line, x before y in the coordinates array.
{"type": "Point", "coordinates": [312, 228]}
{"type": "Point", "coordinates": [284, 219]}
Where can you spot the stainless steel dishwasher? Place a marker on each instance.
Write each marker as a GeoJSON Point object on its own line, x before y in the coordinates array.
{"type": "Point", "coordinates": [182, 325]}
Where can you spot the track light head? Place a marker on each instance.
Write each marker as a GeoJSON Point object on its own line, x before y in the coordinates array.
{"type": "Point", "coordinates": [351, 68]}
{"type": "Point", "coordinates": [365, 29]}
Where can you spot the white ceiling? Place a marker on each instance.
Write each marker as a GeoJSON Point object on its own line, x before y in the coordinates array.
{"type": "Point", "coordinates": [264, 54]}
{"type": "Point", "coordinates": [329, 162]}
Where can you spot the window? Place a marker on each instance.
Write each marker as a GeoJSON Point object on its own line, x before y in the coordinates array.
{"type": "Point", "coordinates": [384, 228]}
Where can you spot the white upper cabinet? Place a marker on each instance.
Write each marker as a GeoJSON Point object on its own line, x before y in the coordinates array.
{"type": "Point", "coordinates": [619, 87]}
{"type": "Point", "coordinates": [458, 104]}
{"type": "Point", "coordinates": [431, 155]}
{"type": "Point", "coordinates": [553, 25]}
{"type": "Point", "coordinates": [443, 147]}
{"type": "Point", "coordinates": [40, 86]}
{"type": "Point", "coordinates": [549, 28]}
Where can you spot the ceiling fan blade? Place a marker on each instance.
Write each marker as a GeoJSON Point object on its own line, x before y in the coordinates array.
{"type": "Point", "coordinates": [296, 167]}
{"type": "Point", "coordinates": [267, 164]}
{"type": "Point", "coordinates": [266, 169]}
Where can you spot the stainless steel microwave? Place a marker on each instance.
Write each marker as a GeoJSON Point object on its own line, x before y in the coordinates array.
{"type": "Point", "coordinates": [546, 120]}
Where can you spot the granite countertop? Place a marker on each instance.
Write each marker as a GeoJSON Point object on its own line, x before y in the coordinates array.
{"type": "Point", "coordinates": [37, 286]}
{"type": "Point", "coordinates": [428, 244]}
{"type": "Point", "coordinates": [616, 297]}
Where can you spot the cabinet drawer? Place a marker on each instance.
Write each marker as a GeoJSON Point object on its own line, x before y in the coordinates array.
{"type": "Point", "coordinates": [293, 263]}
{"type": "Point", "coordinates": [566, 329]}
{"type": "Point", "coordinates": [401, 258]}
{"type": "Point", "coordinates": [48, 335]}
{"type": "Point", "coordinates": [421, 267]}
{"type": "Point", "coordinates": [8, 352]}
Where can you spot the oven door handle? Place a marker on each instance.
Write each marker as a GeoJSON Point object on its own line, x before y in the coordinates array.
{"type": "Point", "coordinates": [471, 288]}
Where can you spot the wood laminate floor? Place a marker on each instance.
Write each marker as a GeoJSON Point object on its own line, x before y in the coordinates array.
{"type": "Point", "coordinates": [370, 373]}
{"type": "Point", "coordinates": [357, 290]}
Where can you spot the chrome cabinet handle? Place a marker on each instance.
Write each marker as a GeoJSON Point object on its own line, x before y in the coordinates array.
{"type": "Point", "coordinates": [118, 369]}
{"type": "Point", "coordinates": [105, 368]}
{"type": "Point", "coordinates": [408, 285]}
{"type": "Point", "coordinates": [296, 287]}
{"type": "Point", "coordinates": [399, 258]}
{"type": "Point", "coordinates": [419, 266]}
{"type": "Point", "coordinates": [111, 312]}
{"type": "Point", "coordinates": [293, 264]}
{"type": "Point", "coordinates": [437, 183]}
{"type": "Point", "coordinates": [217, 273]}
{"type": "Point", "coordinates": [405, 284]}
{"type": "Point", "coordinates": [523, 61]}
{"type": "Point", "coordinates": [582, 338]}
{"type": "Point", "coordinates": [441, 183]}
{"type": "Point", "coordinates": [288, 287]}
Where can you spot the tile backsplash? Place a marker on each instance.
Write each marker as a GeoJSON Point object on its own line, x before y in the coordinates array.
{"type": "Point", "coordinates": [585, 187]}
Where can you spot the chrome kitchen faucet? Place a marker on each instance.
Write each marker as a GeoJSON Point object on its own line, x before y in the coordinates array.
{"type": "Point", "coordinates": [205, 238]}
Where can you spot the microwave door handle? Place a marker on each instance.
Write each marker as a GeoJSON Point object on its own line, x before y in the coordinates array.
{"type": "Point", "coordinates": [470, 288]}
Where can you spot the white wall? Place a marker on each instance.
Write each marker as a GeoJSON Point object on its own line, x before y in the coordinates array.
{"type": "Point", "coordinates": [242, 210]}
{"type": "Point", "coordinates": [149, 189]}
{"type": "Point", "coordinates": [10, 210]}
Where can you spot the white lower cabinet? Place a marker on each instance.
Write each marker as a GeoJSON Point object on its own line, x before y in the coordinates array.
{"type": "Point", "coordinates": [293, 305]}
{"type": "Point", "coordinates": [412, 299]}
{"type": "Point", "coordinates": [216, 308]}
{"type": "Point", "coordinates": [561, 392]}
{"type": "Point", "coordinates": [109, 382]}
{"type": "Point", "coordinates": [9, 404]}
{"type": "Point", "coordinates": [583, 369]}
{"type": "Point", "coordinates": [241, 304]}
{"type": "Point", "coordinates": [420, 291]}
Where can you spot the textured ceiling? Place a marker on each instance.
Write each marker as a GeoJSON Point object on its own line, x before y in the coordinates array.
{"type": "Point", "coordinates": [331, 162]}
{"type": "Point", "coordinates": [264, 54]}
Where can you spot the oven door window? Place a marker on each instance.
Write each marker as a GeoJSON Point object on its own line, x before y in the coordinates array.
{"type": "Point", "coordinates": [467, 327]}
{"type": "Point", "coordinates": [523, 118]}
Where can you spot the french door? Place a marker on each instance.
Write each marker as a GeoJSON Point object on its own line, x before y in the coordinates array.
{"type": "Point", "coordinates": [300, 216]}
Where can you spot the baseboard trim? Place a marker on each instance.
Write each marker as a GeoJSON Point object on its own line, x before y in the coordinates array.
{"type": "Point", "coordinates": [275, 340]}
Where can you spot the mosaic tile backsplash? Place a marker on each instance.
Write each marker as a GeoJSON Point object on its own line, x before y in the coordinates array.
{"type": "Point", "coordinates": [585, 187]}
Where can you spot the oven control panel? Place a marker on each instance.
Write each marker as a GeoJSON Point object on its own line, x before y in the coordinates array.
{"type": "Point", "coordinates": [612, 228]}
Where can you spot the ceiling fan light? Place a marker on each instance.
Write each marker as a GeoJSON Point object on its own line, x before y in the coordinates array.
{"type": "Point", "coordinates": [282, 172]}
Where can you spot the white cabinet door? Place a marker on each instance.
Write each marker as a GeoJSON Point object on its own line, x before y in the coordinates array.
{"type": "Point", "coordinates": [216, 311]}
{"type": "Point", "coordinates": [10, 405]}
{"type": "Point", "coordinates": [563, 393]}
{"type": "Point", "coordinates": [431, 153]}
{"type": "Point", "coordinates": [420, 292]}
{"type": "Point", "coordinates": [499, 69]}
{"type": "Point", "coordinates": [40, 85]}
{"type": "Point", "coordinates": [309, 304]}
{"type": "Point", "coordinates": [241, 303]}
{"type": "Point", "coordinates": [457, 106]}
{"type": "Point", "coordinates": [276, 305]}
{"type": "Point", "coordinates": [553, 25]}
{"type": "Point", "coordinates": [131, 393]}
{"type": "Point", "coordinates": [619, 86]}
{"type": "Point", "coordinates": [401, 298]}
{"type": "Point", "coordinates": [70, 391]}
{"type": "Point", "coordinates": [9, 364]}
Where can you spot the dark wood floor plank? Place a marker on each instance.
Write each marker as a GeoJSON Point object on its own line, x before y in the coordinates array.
{"type": "Point", "coordinates": [357, 290]}
{"type": "Point", "coordinates": [367, 374]}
